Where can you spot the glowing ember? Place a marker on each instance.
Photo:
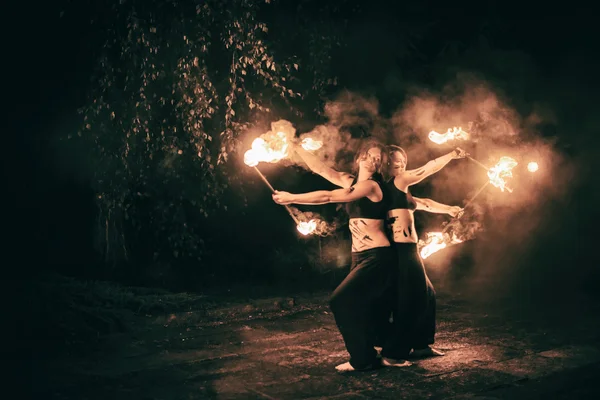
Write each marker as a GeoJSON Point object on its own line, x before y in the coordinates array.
{"type": "Point", "coordinates": [307, 228]}
{"type": "Point", "coordinates": [452, 134]}
{"type": "Point", "coordinates": [267, 148]}
{"type": "Point", "coordinates": [532, 166]}
{"type": "Point", "coordinates": [311, 144]}
{"type": "Point", "coordinates": [499, 172]}
{"type": "Point", "coordinates": [435, 242]}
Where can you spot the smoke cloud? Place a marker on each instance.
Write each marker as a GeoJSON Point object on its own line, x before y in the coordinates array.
{"type": "Point", "coordinates": [506, 224]}
{"type": "Point", "coordinates": [350, 118]}
{"type": "Point", "coordinates": [502, 223]}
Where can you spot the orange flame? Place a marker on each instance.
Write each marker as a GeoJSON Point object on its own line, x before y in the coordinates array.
{"type": "Point", "coordinates": [267, 148]}
{"type": "Point", "coordinates": [435, 242]}
{"type": "Point", "coordinates": [500, 171]}
{"type": "Point", "coordinates": [311, 144]}
{"type": "Point", "coordinates": [306, 228]}
{"type": "Point", "coordinates": [532, 166]}
{"type": "Point", "coordinates": [452, 134]}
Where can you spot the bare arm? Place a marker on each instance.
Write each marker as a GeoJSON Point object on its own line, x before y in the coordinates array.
{"type": "Point", "coordinates": [346, 195]}
{"type": "Point", "coordinates": [415, 176]}
{"type": "Point", "coordinates": [435, 207]}
{"type": "Point", "coordinates": [317, 166]}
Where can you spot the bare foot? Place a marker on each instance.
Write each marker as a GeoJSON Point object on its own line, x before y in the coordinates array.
{"type": "Point", "coordinates": [345, 367]}
{"type": "Point", "coordinates": [426, 352]}
{"type": "Point", "coordinates": [392, 362]}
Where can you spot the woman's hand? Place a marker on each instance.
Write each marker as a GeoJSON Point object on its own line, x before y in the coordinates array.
{"type": "Point", "coordinates": [459, 153]}
{"type": "Point", "coordinates": [282, 197]}
{"type": "Point", "coordinates": [456, 211]}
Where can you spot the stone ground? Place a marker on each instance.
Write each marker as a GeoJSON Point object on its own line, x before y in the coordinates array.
{"type": "Point", "coordinates": [286, 348]}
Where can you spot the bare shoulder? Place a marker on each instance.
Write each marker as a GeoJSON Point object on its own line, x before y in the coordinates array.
{"type": "Point", "coordinates": [346, 179]}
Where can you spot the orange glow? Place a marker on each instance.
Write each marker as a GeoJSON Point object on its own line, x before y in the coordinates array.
{"type": "Point", "coordinates": [306, 228]}
{"type": "Point", "coordinates": [435, 242]}
{"type": "Point", "coordinates": [311, 144]}
{"type": "Point", "coordinates": [452, 134]}
{"type": "Point", "coordinates": [267, 148]}
{"type": "Point", "coordinates": [532, 166]}
{"type": "Point", "coordinates": [499, 172]}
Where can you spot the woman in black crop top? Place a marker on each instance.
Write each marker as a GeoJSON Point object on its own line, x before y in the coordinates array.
{"type": "Point", "coordinates": [371, 271]}
{"type": "Point", "coordinates": [413, 298]}
{"type": "Point", "coordinates": [363, 195]}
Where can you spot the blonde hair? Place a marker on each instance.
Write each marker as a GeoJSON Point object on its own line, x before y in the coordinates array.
{"type": "Point", "coordinates": [393, 148]}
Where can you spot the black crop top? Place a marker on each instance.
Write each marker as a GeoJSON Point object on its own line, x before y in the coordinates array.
{"type": "Point", "coordinates": [365, 208]}
{"type": "Point", "coordinates": [399, 199]}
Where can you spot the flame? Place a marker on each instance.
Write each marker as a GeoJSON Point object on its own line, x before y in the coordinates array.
{"type": "Point", "coordinates": [532, 166]}
{"type": "Point", "coordinates": [311, 144]}
{"type": "Point", "coordinates": [452, 134]}
{"type": "Point", "coordinates": [267, 148]}
{"type": "Point", "coordinates": [306, 228]}
{"type": "Point", "coordinates": [500, 171]}
{"type": "Point", "coordinates": [435, 242]}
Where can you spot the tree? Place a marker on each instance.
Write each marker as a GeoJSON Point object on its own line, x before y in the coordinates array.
{"type": "Point", "coordinates": [177, 83]}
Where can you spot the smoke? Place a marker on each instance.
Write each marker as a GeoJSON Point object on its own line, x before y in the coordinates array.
{"type": "Point", "coordinates": [350, 118]}
{"type": "Point", "coordinates": [338, 146]}
{"type": "Point", "coordinates": [506, 224]}
{"type": "Point", "coordinates": [469, 103]}
{"type": "Point", "coordinates": [321, 227]}
{"type": "Point", "coordinates": [498, 228]}
{"type": "Point", "coordinates": [466, 227]}
{"type": "Point", "coordinates": [357, 113]}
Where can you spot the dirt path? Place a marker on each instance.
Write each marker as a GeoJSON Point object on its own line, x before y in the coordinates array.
{"type": "Point", "coordinates": [287, 349]}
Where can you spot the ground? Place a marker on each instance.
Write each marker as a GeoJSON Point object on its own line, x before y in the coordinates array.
{"type": "Point", "coordinates": [287, 348]}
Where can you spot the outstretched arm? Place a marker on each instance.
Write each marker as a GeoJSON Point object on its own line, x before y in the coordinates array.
{"type": "Point", "coordinates": [358, 191]}
{"type": "Point", "coordinates": [414, 176]}
{"type": "Point", "coordinates": [317, 166]}
{"type": "Point", "coordinates": [435, 207]}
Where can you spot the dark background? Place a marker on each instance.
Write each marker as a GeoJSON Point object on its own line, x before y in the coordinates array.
{"type": "Point", "coordinates": [532, 55]}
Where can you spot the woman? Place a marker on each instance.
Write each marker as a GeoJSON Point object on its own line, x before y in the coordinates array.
{"type": "Point", "coordinates": [372, 257]}
{"type": "Point", "coordinates": [413, 326]}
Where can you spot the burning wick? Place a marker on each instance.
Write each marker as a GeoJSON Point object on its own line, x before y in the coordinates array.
{"type": "Point", "coordinates": [273, 150]}
{"type": "Point", "coordinates": [260, 151]}
{"type": "Point", "coordinates": [311, 144]}
{"type": "Point", "coordinates": [532, 166]}
{"type": "Point", "coordinates": [306, 228]}
{"type": "Point", "coordinates": [437, 241]}
{"type": "Point", "coordinates": [497, 173]}
{"type": "Point", "coordinates": [500, 171]}
{"type": "Point", "coordinates": [452, 134]}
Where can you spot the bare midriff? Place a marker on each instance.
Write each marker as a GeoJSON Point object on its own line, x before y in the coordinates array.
{"type": "Point", "coordinates": [367, 234]}
{"type": "Point", "coordinates": [402, 225]}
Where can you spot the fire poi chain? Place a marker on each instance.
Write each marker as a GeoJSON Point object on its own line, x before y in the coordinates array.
{"type": "Point", "coordinates": [273, 147]}
{"type": "Point", "coordinates": [436, 241]}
